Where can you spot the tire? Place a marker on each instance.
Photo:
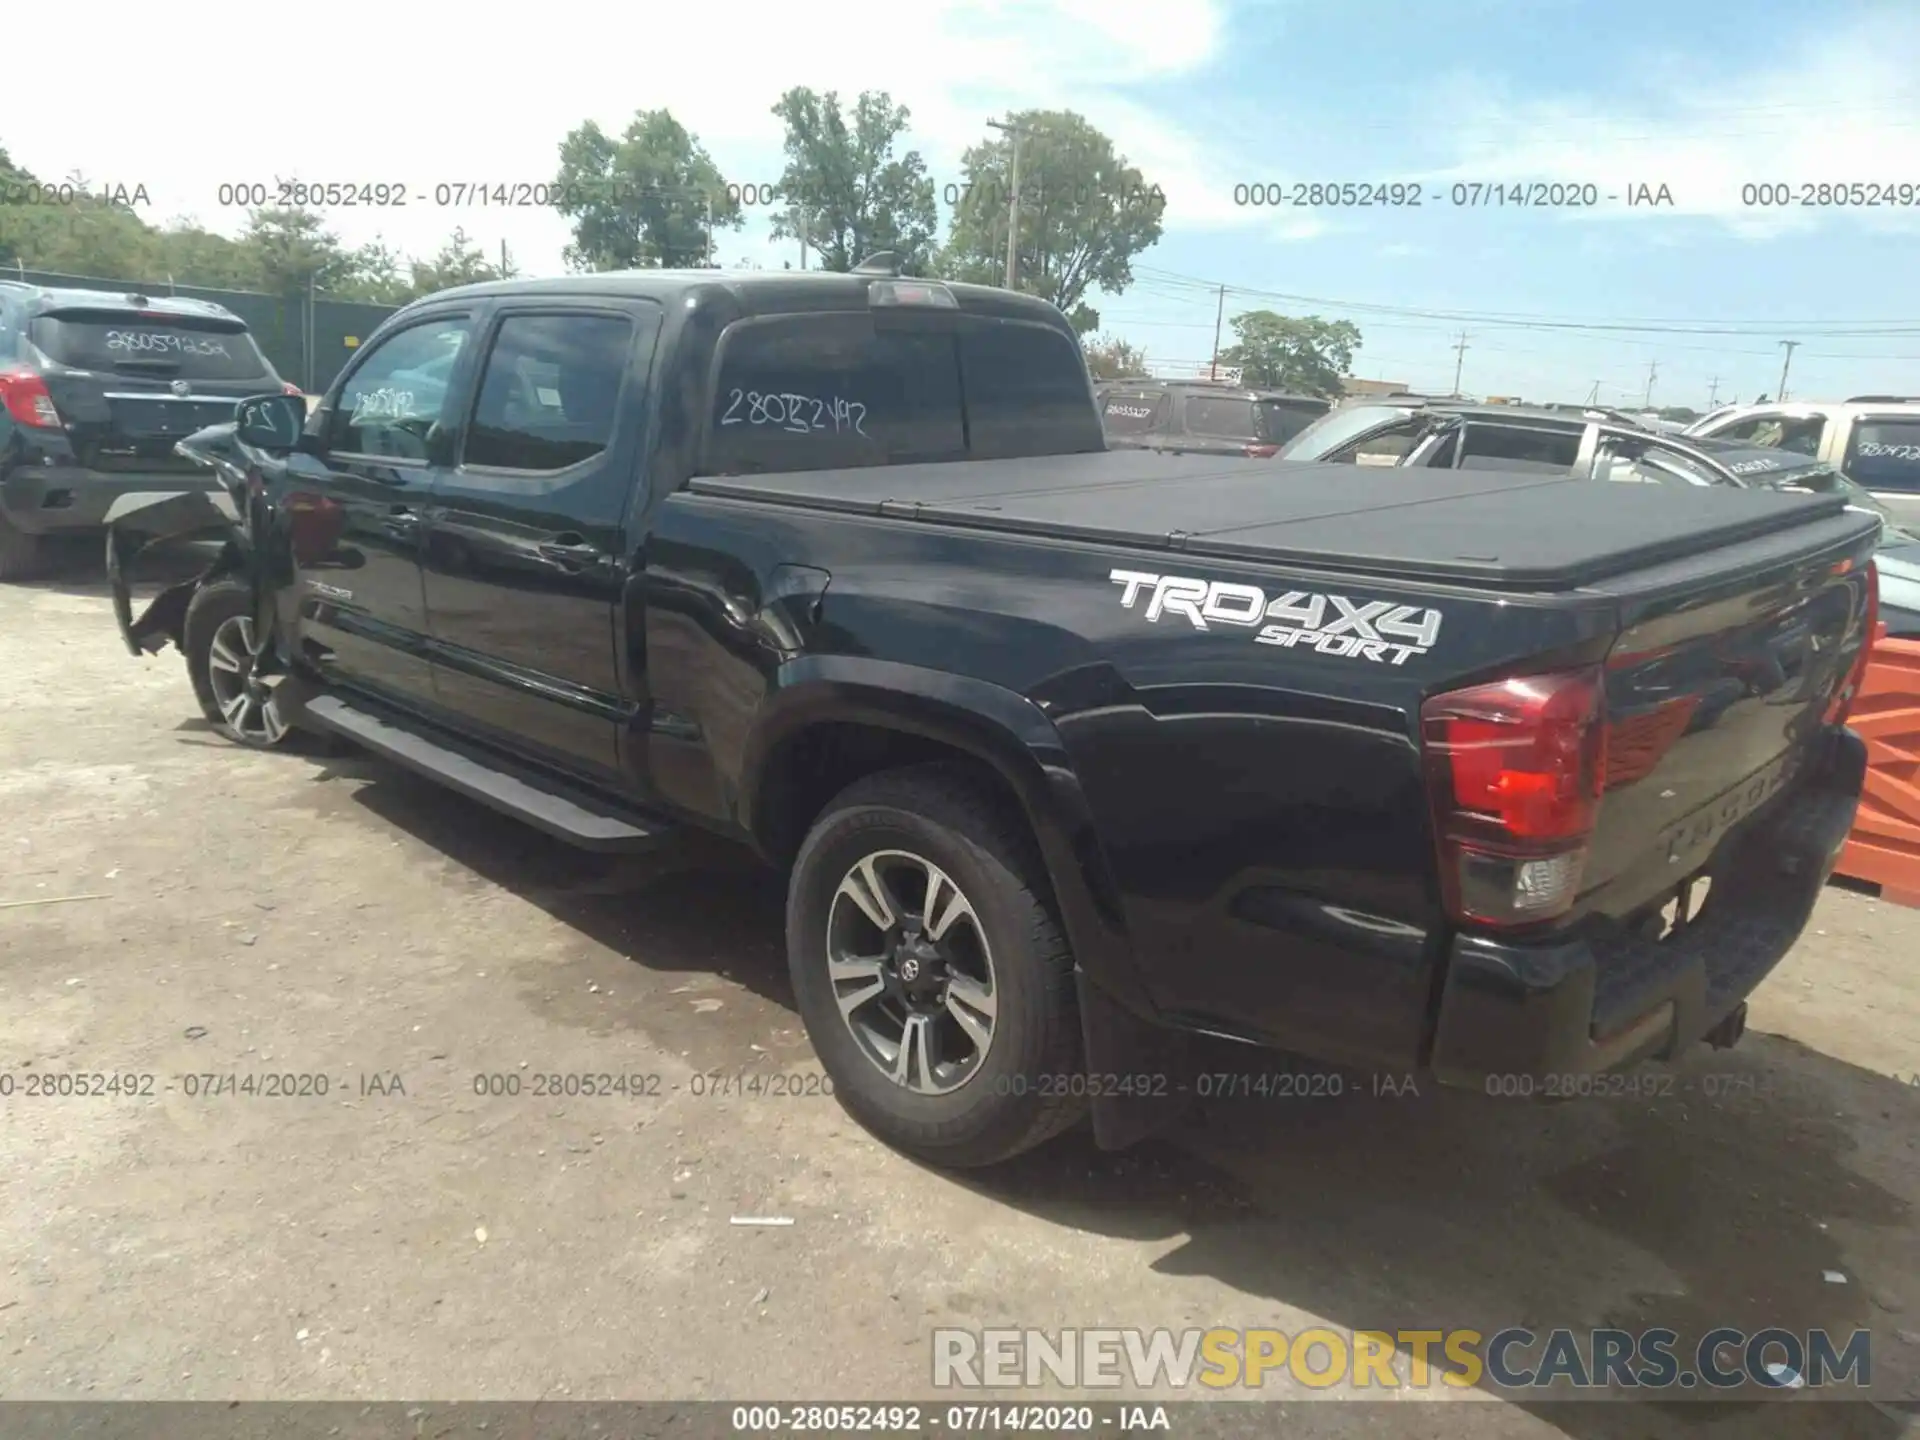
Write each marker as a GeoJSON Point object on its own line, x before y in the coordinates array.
{"type": "Point", "coordinates": [1026, 1084]}
{"type": "Point", "coordinates": [221, 615]}
{"type": "Point", "coordinates": [22, 556]}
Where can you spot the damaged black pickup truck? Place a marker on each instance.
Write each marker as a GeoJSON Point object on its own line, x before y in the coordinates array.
{"type": "Point", "coordinates": [1069, 754]}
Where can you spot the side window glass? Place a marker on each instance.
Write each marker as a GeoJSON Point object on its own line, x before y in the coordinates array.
{"type": "Point", "coordinates": [550, 391]}
{"type": "Point", "coordinates": [1746, 431]}
{"type": "Point", "coordinates": [399, 392]}
{"type": "Point", "coordinates": [1778, 432]}
{"type": "Point", "coordinates": [1389, 447]}
{"type": "Point", "coordinates": [1886, 455]}
{"type": "Point", "coordinates": [1499, 447]}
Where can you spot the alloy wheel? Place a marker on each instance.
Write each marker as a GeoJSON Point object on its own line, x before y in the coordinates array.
{"type": "Point", "coordinates": [911, 971]}
{"type": "Point", "coordinates": [245, 697]}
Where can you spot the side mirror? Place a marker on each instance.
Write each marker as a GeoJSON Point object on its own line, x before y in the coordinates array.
{"type": "Point", "coordinates": [270, 422]}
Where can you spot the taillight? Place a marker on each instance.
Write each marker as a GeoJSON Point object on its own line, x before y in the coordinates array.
{"type": "Point", "coordinates": [1515, 770]}
{"type": "Point", "coordinates": [27, 401]}
{"type": "Point", "coordinates": [1260, 452]}
{"type": "Point", "coordinates": [1842, 703]}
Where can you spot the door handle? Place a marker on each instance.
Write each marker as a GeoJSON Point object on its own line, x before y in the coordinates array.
{"type": "Point", "coordinates": [571, 552]}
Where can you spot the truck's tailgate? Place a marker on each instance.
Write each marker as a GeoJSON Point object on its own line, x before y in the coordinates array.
{"type": "Point", "coordinates": [1486, 528]}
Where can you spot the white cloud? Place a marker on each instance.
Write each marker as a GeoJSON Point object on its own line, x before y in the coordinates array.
{"type": "Point", "coordinates": [1839, 107]}
{"type": "Point", "coordinates": [423, 96]}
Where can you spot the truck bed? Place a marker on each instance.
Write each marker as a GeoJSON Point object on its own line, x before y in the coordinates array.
{"type": "Point", "coordinates": [1488, 528]}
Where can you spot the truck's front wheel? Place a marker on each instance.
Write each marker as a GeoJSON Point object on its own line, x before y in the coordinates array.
{"type": "Point", "coordinates": [934, 981]}
{"type": "Point", "coordinates": [223, 654]}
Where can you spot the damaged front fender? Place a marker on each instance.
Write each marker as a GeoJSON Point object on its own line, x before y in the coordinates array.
{"type": "Point", "coordinates": [195, 515]}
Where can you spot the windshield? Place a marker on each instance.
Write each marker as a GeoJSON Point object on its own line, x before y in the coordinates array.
{"type": "Point", "coordinates": [1331, 431]}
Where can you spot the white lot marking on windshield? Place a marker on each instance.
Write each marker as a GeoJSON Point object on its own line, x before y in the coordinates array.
{"type": "Point", "coordinates": [794, 413]}
{"type": "Point", "coordinates": [135, 341]}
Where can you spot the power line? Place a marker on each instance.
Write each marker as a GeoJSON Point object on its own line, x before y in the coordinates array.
{"type": "Point", "coordinates": [1524, 321]}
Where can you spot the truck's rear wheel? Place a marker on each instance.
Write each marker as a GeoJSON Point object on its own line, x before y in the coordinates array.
{"type": "Point", "coordinates": [222, 655]}
{"type": "Point", "coordinates": [934, 981]}
{"type": "Point", "coordinates": [22, 556]}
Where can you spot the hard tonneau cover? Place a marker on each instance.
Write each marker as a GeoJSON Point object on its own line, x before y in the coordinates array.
{"type": "Point", "coordinates": [1487, 528]}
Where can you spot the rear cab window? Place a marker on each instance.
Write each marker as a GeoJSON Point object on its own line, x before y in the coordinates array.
{"type": "Point", "coordinates": [839, 391]}
{"type": "Point", "coordinates": [184, 347]}
{"type": "Point", "coordinates": [1885, 455]}
{"type": "Point", "coordinates": [1133, 412]}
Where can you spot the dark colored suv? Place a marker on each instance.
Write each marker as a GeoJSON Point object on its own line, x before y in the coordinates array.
{"type": "Point", "coordinates": [1201, 417]}
{"type": "Point", "coordinates": [95, 389]}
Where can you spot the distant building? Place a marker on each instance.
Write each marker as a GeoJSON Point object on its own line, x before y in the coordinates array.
{"type": "Point", "coordinates": [1352, 385]}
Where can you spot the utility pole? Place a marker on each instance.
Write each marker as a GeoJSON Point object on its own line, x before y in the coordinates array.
{"type": "Point", "coordinates": [1653, 373]}
{"type": "Point", "coordinates": [1713, 393]}
{"type": "Point", "coordinates": [1459, 359]}
{"type": "Point", "coordinates": [1593, 395]}
{"type": "Point", "coordinates": [1219, 310]}
{"type": "Point", "coordinates": [1781, 393]}
{"type": "Point", "coordinates": [1014, 134]}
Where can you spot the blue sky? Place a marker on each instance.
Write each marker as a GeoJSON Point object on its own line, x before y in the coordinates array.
{"type": "Point", "coordinates": [1202, 95]}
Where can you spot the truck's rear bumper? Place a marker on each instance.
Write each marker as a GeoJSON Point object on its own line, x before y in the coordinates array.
{"type": "Point", "coordinates": [1611, 996]}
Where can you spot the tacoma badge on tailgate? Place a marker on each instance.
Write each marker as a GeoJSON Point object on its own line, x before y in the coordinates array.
{"type": "Point", "coordinates": [1331, 624]}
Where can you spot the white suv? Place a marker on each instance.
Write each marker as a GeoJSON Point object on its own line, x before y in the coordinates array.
{"type": "Point", "coordinates": [1874, 440]}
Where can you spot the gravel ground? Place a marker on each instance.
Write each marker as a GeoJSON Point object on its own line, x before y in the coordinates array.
{"type": "Point", "coordinates": [405, 1236]}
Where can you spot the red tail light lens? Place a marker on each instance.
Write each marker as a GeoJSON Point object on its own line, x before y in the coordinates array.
{"type": "Point", "coordinates": [1260, 452]}
{"type": "Point", "coordinates": [1515, 769]}
{"type": "Point", "coordinates": [1841, 705]}
{"type": "Point", "coordinates": [25, 396]}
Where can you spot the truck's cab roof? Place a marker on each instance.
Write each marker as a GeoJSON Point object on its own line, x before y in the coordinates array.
{"type": "Point", "coordinates": [756, 292]}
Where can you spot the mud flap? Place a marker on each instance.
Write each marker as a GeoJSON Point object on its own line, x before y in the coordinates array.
{"type": "Point", "coordinates": [192, 515]}
{"type": "Point", "coordinates": [1139, 1070]}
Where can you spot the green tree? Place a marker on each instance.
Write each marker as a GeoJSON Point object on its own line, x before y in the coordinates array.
{"type": "Point", "coordinates": [651, 198]}
{"type": "Point", "coordinates": [1677, 412]}
{"type": "Point", "coordinates": [459, 262]}
{"type": "Point", "coordinates": [293, 251]}
{"type": "Point", "coordinates": [1286, 352]}
{"type": "Point", "coordinates": [1111, 358]}
{"type": "Point", "coordinates": [1085, 213]}
{"type": "Point", "coordinates": [847, 193]}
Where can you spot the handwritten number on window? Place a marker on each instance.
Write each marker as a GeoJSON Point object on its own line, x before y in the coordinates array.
{"type": "Point", "coordinates": [794, 413]}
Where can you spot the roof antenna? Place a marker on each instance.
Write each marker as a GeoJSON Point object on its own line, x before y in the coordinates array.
{"type": "Point", "coordinates": [881, 262]}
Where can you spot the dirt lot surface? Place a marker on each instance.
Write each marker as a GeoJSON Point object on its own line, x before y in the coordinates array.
{"type": "Point", "coordinates": [292, 914]}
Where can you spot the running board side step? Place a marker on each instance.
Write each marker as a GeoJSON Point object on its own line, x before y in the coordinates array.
{"type": "Point", "coordinates": [525, 796]}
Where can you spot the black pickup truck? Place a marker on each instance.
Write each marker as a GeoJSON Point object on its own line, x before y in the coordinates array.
{"type": "Point", "coordinates": [1070, 754]}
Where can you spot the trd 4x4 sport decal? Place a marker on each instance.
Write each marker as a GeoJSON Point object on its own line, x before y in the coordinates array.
{"type": "Point", "coordinates": [1376, 630]}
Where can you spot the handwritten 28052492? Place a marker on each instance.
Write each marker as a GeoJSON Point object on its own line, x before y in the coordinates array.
{"type": "Point", "coordinates": [797, 414]}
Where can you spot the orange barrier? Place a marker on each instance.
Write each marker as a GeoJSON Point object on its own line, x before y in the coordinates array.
{"type": "Point", "coordinates": [1884, 847]}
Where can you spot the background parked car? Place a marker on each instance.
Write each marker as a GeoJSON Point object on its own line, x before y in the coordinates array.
{"type": "Point", "coordinates": [1200, 417]}
{"type": "Point", "coordinates": [1605, 446]}
{"type": "Point", "coordinates": [1873, 439]}
{"type": "Point", "coordinates": [95, 389]}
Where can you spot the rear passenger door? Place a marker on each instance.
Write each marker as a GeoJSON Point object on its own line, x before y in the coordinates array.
{"type": "Point", "coordinates": [522, 560]}
{"type": "Point", "coordinates": [1545, 449]}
